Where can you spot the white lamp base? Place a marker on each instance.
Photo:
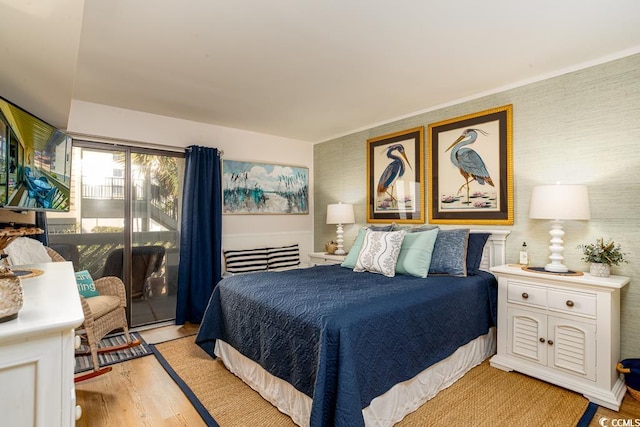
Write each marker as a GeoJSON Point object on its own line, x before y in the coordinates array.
{"type": "Point", "coordinates": [556, 248]}
{"type": "Point", "coordinates": [339, 241]}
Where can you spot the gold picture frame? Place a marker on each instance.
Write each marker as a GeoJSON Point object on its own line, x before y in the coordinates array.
{"type": "Point", "coordinates": [395, 177]}
{"type": "Point", "coordinates": [472, 184]}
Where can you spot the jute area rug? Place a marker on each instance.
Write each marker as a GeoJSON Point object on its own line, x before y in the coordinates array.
{"type": "Point", "coordinates": [485, 396]}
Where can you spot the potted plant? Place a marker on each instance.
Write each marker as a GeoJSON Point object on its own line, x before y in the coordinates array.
{"type": "Point", "coordinates": [602, 256]}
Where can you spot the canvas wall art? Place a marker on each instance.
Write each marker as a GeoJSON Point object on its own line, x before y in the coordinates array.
{"type": "Point", "coordinates": [264, 188]}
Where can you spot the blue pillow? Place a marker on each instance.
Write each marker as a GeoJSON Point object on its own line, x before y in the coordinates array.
{"type": "Point", "coordinates": [475, 249]}
{"type": "Point", "coordinates": [86, 287]}
{"type": "Point", "coordinates": [381, 227]}
{"type": "Point", "coordinates": [417, 229]}
{"type": "Point", "coordinates": [415, 254]}
{"type": "Point", "coordinates": [450, 253]}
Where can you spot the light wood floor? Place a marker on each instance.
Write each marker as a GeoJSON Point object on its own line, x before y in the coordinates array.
{"type": "Point", "coordinates": [139, 392]}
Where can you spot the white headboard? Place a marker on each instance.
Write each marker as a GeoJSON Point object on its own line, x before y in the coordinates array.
{"type": "Point", "coordinates": [495, 252]}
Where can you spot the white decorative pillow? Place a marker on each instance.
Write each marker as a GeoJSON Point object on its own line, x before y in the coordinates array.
{"type": "Point", "coordinates": [379, 252]}
{"type": "Point", "coordinates": [25, 250]}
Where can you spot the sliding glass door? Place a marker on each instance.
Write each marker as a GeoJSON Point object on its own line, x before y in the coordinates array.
{"type": "Point", "coordinates": [124, 221]}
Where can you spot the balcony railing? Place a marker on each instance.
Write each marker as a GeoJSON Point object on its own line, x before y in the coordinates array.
{"type": "Point", "coordinates": [113, 189]}
{"type": "Point", "coordinates": [93, 248]}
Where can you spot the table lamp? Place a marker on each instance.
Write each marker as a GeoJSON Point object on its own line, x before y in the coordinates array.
{"type": "Point", "coordinates": [340, 213]}
{"type": "Point", "coordinates": [558, 203]}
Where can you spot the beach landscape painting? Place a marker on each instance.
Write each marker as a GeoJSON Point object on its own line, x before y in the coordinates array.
{"type": "Point", "coordinates": [264, 188]}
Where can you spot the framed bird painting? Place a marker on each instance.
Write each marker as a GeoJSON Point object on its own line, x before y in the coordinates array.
{"type": "Point", "coordinates": [471, 169]}
{"type": "Point", "coordinates": [395, 177]}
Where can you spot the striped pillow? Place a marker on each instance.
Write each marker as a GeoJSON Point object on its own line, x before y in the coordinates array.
{"type": "Point", "coordinates": [246, 260]}
{"type": "Point", "coordinates": [283, 256]}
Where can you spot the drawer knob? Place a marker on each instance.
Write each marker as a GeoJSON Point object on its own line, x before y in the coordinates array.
{"type": "Point", "coordinates": [542, 340]}
{"type": "Point", "coordinates": [569, 303]}
{"type": "Point", "coordinates": [525, 295]}
{"type": "Point", "coordinates": [550, 342]}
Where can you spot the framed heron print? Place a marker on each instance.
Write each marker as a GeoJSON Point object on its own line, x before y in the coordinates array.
{"type": "Point", "coordinates": [395, 177]}
{"type": "Point", "coordinates": [471, 169]}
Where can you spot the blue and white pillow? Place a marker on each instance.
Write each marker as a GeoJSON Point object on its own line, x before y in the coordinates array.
{"type": "Point", "coordinates": [379, 252]}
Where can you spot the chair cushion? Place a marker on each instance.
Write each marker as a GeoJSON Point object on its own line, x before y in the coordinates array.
{"type": "Point", "coordinates": [102, 304]}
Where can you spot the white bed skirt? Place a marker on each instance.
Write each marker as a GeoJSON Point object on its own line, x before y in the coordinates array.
{"type": "Point", "coordinates": [386, 409]}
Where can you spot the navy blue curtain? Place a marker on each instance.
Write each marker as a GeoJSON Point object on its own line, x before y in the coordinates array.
{"type": "Point", "coordinates": [200, 268]}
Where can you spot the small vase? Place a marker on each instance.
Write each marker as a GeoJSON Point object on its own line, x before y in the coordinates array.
{"type": "Point", "coordinates": [600, 270]}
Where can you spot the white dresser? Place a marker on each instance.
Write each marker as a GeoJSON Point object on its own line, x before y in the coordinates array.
{"type": "Point", "coordinates": [561, 329]}
{"type": "Point", "coordinates": [37, 351]}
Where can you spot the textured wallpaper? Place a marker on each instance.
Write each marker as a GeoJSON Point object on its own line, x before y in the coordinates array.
{"type": "Point", "coordinates": [579, 128]}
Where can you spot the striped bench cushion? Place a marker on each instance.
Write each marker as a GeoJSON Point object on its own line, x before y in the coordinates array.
{"type": "Point", "coordinates": [246, 260]}
{"type": "Point", "coordinates": [283, 256]}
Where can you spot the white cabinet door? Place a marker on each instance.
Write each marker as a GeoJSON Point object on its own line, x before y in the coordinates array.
{"type": "Point", "coordinates": [525, 330]}
{"type": "Point", "coordinates": [573, 348]}
{"type": "Point", "coordinates": [31, 382]}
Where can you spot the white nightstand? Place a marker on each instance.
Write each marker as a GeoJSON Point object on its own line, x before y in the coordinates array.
{"type": "Point", "coordinates": [320, 258]}
{"type": "Point", "coordinates": [561, 329]}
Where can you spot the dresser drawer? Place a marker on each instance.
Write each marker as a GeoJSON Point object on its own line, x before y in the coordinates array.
{"type": "Point", "coordinates": [583, 303]}
{"type": "Point", "coordinates": [526, 293]}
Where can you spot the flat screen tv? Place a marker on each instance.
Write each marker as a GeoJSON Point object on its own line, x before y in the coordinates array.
{"type": "Point", "coordinates": [35, 162]}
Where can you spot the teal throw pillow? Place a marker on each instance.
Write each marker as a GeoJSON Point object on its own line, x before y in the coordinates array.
{"type": "Point", "coordinates": [415, 253]}
{"type": "Point", "coordinates": [86, 287]}
{"type": "Point", "coordinates": [352, 256]}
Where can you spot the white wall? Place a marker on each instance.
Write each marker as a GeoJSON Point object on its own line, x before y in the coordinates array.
{"type": "Point", "coordinates": [109, 122]}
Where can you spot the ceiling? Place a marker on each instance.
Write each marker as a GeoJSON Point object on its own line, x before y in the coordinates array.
{"type": "Point", "coordinates": [307, 70]}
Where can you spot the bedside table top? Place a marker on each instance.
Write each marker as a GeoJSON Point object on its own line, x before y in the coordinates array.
{"type": "Point", "coordinates": [324, 255]}
{"type": "Point", "coordinates": [612, 281]}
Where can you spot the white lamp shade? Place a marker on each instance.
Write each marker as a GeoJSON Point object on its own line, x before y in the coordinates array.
{"type": "Point", "coordinates": [560, 202]}
{"type": "Point", "coordinates": [340, 213]}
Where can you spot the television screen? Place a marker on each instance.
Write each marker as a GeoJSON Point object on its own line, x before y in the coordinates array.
{"type": "Point", "coordinates": [35, 162]}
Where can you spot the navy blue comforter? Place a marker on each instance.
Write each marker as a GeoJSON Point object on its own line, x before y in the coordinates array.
{"type": "Point", "coordinates": [343, 338]}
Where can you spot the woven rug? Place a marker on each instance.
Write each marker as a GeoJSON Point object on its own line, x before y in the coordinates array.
{"type": "Point", "coordinates": [484, 396]}
{"type": "Point", "coordinates": [83, 363]}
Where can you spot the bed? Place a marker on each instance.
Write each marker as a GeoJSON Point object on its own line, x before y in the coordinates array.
{"type": "Point", "coordinates": [330, 346]}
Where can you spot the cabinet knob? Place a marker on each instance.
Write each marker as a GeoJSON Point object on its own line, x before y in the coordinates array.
{"type": "Point", "coordinates": [542, 340]}
{"type": "Point", "coordinates": [525, 295]}
{"type": "Point", "coordinates": [550, 342]}
{"type": "Point", "coordinates": [569, 303]}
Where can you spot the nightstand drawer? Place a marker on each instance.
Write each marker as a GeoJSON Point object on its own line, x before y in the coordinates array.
{"type": "Point", "coordinates": [526, 293]}
{"type": "Point", "coordinates": [583, 303]}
